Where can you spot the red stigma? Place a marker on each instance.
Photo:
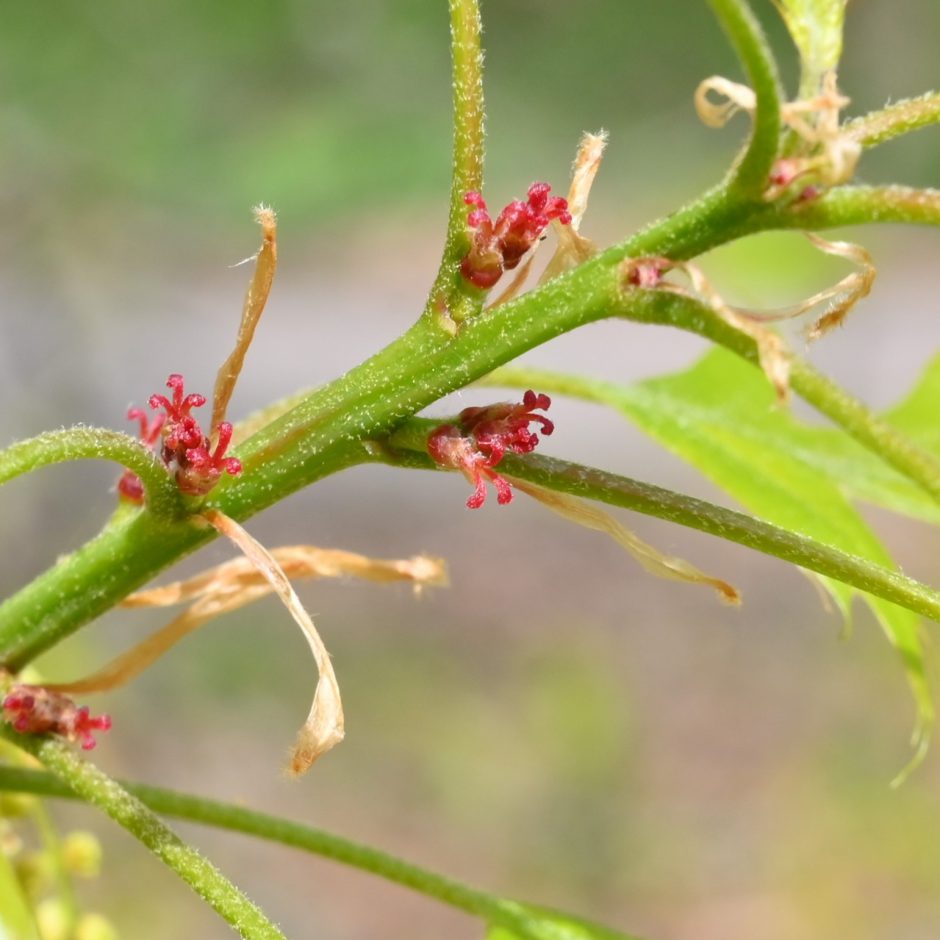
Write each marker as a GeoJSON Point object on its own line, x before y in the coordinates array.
{"type": "Point", "coordinates": [31, 709]}
{"type": "Point", "coordinates": [481, 437]}
{"type": "Point", "coordinates": [499, 246]}
{"type": "Point", "coordinates": [184, 447]}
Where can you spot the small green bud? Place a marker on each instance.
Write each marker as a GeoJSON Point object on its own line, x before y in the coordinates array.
{"type": "Point", "coordinates": [15, 805]}
{"type": "Point", "coordinates": [81, 853]}
{"type": "Point", "coordinates": [34, 872]}
{"type": "Point", "coordinates": [95, 927]}
{"type": "Point", "coordinates": [52, 918]}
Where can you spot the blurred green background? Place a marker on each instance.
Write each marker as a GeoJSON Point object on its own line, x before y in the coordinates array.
{"type": "Point", "coordinates": [556, 725]}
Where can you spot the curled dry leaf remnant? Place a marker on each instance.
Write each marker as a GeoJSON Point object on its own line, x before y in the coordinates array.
{"type": "Point", "coordinates": [773, 354]}
{"type": "Point", "coordinates": [236, 583]}
{"type": "Point", "coordinates": [825, 154]}
{"type": "Point", "coordinates": [655, 562]}
{"type": "Point", "coordinates": [255, 300]}
{"type": "Point", "coordinates": [323, 728]}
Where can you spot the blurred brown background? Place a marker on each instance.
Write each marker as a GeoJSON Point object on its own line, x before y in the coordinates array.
{"type": "Point", "coordinates": [556, 726]}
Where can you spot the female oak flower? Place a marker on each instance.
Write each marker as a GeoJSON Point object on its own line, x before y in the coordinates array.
{"type": "Point", "coordinates": [184, 447]}
{"type": "Point", "coordinates": [201, 469]}
{"type": "Point", "coordinates": [499, 246]}
{"type": "Point", "coordinates": [480, 438]}
{"type": "Point", "coordinates": [31, 709]}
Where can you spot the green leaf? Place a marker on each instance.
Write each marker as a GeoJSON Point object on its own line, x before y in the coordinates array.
{"type": "Point", "coordinates": [816, 28]}
{"type": "Point", "coordinates": [721, 416]}
{"type": "Point", "coordinates": [16, 919]}
{"type": "Point", "coordinates": [544, 924]}
{"type": "Point", "coordinates": [919, 414]}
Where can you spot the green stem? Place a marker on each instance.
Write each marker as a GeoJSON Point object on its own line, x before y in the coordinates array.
{"type": "Point", "coordinates": [323, 433]}
{"type": "Point", "coordinates": [861, 423]}
{"type": "Point", "coordinates": [749, 176]}
{"type": "Point", "coordinates": [87, 782]}
{"type": "Point", "coordinates": [16, 915]}
{"type": "Point", "coordinates": [590, 483]}
{"type": "Point", "coordinates": [899, 118]}
{"type": "Point", "coordinates": [64, 889]}
{"type": "Point", "coordinates": [452, 297]}
{"type": "Point", "coordinates": [855, 418]}
{"type": "Point", "coordinates": [860, 205]}
{"type": "Point", "coordinates": [491, 908]}
{"type": "Point", "coordinates": [84, 443]}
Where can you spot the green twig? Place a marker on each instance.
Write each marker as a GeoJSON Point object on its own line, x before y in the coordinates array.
{"type": "Point", "coordinates": [854, 417]}
{"type": "Point", "coordinates": [899, 118]}
{"type": "Point", "coordinates": [860, 205]}
{"type": "Point", "coordinates": [749, 176]}
{"type": "Point", "coordinates": [85, 443]}
{"type": "Point", "coordinates": [491, 908]}
{"type": "Point", "coordinates": [408, 450]}
{"type": "Point", "coordinates": [92, 785]}
{"type": "Point", "coordinates": [452, 296]}
{"type": "Point", "coordinates": [324, 431]}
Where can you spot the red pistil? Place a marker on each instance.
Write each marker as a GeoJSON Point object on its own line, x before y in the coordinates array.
{"type": "Point", "coordinates": [203, 469]}
{"type": "Point", "coordinates": [481, 437]}
{"type": "Point", "coordinates": [186, 449]}
{"type": "Point", "coordinates": [31, 709]}
{"type": "Point", "coordinates": [499, 246]}
{"type": "Point", "coordinates": [180, 407]}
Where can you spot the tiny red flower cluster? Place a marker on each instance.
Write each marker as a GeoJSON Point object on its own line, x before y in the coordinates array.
{"type": "Point", "coordinates": [481, 437]}
{"type": "Point", "coordinates": [499, 246]}
{"type": "Point", "coordinates": [31, 709]}
{"type": "Point", "coordinates": [183, 446]}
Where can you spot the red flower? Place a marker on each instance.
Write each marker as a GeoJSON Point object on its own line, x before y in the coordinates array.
{"type": "Point", "coordinates": [31, 709]}
{"type": "Point", "coordinates": [186, 450]}
{"type": "Point", "coordinates": [480, 438]}
{"type": "Point", "coordinates": [180, 407]}
{"type": "Point", "coordinates": [499, 246]}
{"type": "Point", "coordinates": [201, 470]}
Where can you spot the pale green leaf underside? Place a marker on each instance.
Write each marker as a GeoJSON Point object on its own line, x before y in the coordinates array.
{"type": "Point", "coordinates": [552, 925]}
{"type": "Point", "coordinates": [16, 920]}
{"type": "Point", "coordinates": [721, 416]}
{"type": "Point", "coordinates": [816, 28]}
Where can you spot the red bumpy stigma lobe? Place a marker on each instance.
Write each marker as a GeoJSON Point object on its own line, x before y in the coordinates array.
{"type": "Point", "coordinates": [31, 709]}
{"type": "Point", "coordinates": [180, 407]}
{"type": "Point", "coordinates": [481, 438]}
{"type": "Point", "coordinates": [499, 246]}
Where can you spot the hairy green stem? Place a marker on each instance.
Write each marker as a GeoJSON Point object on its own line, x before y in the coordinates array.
{"type": "Point", "coordinates": [452, 298]}
{"type": "Point", "coordinates": [407, 449]}
{"type": "Point", "coordinates": [749, 176]}
{"type": "Point", "coordinates": [860, 205]}
{"type": "Point", "coordinates": [491, 908]}
{"type": "Point", "coordinates": [855, 418]}
{"type": "Point", "coordinates": [325, 431]}
{"type": "Point", "coordinates": [92, 785]}
{"type": "Point", "coordinates": [86, 443]}
{"type": "Point", "coordinates": [902, 117]}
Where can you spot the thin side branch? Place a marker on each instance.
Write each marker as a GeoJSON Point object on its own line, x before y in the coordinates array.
{"type": "Point", "coordinates": [902, 117]}
{"type": "Point", "coordinates": [749, 176]}
{"type": "Point", "coordinates": [87, 443]}
{"type": "Point", "coordinates": [87, 782]}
